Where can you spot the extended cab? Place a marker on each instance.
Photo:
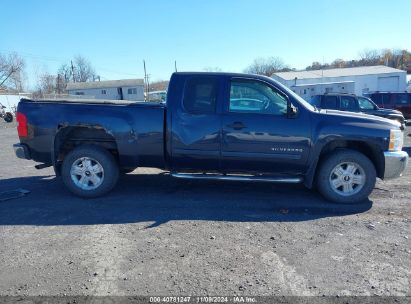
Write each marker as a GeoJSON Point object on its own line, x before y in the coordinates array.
{"type": "Point", "coordinates": [213, 126]}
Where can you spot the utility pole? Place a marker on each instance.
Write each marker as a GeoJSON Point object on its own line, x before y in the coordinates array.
{"type": "Point", "coordinates": [146, 79]}
{"type": "Point", "coordinates": [72, 71]}
{"type": "Point", "coordinates": [322, 77]}
{"type": "Point", "coordinates": [58, 84]}
{"type": "Point", "coordinates": [175, 65]}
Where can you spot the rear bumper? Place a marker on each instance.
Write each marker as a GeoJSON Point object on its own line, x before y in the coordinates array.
{"type": "Point", "coordinates": [21, 151]}
{"type": "Point", "coordinates": [395, 163]}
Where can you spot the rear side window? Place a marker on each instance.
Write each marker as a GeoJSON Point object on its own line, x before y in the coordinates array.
{"type": "Point", "coordinates": [348, 104]}
{"type": "Point", "coordinates": [330, 102]}
{"type": "Point", "coordinates": [200, 95]}
{"type": "Point", "coordinates": [402, 98]}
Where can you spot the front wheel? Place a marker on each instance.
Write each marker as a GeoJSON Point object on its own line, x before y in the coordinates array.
{"type": "Point", "coordinates": [89, 171]}
{"type": "Point", "coordinates": [346, 176]}
{"type": "Point", "coordinates": [8, 117]}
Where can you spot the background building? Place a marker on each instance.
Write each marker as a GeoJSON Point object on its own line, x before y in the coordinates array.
{"type": "Point", "coordinates": [125, 89]}
{"type": "Point", "coordinates": [358, 80]}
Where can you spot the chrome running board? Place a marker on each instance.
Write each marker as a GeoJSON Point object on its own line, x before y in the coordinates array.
{"type": "Point", "coordinates": [244, 178]}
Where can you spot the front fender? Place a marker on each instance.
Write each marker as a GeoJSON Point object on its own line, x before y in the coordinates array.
{"type": "Point", "coordinates": [340, 131]}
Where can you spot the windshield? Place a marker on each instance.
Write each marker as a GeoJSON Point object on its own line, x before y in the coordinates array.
{"type": "Point", "coordinates": [365, 104]}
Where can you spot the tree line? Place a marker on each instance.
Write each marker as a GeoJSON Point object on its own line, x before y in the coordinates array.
{"type": "Point", "coordinates": [395, 58]}
{"type": "Point", "coordinates": [13, 76]}
{"type": "Point", "coordinates": [11, 72]}
{"type": "Point", "coordinates": [80, 69]}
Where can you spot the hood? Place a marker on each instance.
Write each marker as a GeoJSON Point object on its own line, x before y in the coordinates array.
{"type": "Point", "coordinates": [388, 111]}
{"type": "Point", "coordinates": [361, 117]}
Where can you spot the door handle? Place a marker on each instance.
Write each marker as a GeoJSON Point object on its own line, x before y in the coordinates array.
{"type": "Point", "coordinates": [237, 125]}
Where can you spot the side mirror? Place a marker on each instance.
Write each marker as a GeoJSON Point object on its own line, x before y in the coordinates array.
{"type": "Point", "coordinates": [292, 110]}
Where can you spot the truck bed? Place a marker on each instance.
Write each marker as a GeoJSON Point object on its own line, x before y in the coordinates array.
{"type": "Point", "coordinates": [90, 101]}
{"type": "Point", "coordinates": [136, 128]}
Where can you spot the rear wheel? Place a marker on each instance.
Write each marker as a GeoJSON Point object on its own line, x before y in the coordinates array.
{"type": "Point", "coordinates": [346, 176]}
{"type": "Point", "coordinates": [8, 117]}
{"type": "Point", "coordinates": [89, 171]}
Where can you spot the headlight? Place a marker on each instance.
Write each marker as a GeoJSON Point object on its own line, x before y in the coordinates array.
{"type": "Point", "coordinates": [396, 140]}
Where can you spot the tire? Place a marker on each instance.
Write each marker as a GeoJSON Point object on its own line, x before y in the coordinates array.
{"type": "Point", "coordinates": [8, 117]}
{"type": "Point", "coordinates": [98, 178]}
{"type": "Point", "coordinates": [350, 169]}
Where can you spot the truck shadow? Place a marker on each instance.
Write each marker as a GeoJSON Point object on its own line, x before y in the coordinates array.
{"type": "Point", "coordinates": [157, 199]}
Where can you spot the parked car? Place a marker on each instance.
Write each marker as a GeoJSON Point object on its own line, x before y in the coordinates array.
{"type": "Point", "coordinates": [353, 103]}
{"type": "Point", "coordinates": [214, 126]}
{"type": "Point", "coordinates": [400, 101]}
{"type": "Point", "coordinates": [159, 96]}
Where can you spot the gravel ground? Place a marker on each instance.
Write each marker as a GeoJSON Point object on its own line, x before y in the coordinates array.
{"type": "Point", "coordinates": [154, 235]}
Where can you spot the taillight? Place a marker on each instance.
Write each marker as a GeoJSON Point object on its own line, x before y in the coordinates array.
{"type": "Point", "coordinates": [22, 125]}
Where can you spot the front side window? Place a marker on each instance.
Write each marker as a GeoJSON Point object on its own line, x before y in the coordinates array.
{"type": "Point", "coordinates": [249, 96]}
{"type": "Point", "coordinates": [365, 103]}
{"type": "Point", "coordinates": [104, 92]}
{"type": "Point", "coordinates": [132, 91]}
{"type": "Point", "coordinates": [200, 95]}
{"type": "Point", "coordinates": [348, 104]}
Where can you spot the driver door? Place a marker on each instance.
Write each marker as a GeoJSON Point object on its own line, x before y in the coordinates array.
{"type": "Point", "coordinates": [258, 135]}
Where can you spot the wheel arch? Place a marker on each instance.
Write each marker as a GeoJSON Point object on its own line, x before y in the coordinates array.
{"type": "Point", "coordinates": [370, 150]}
{"type": "Point", "coordinates": [69, 137]}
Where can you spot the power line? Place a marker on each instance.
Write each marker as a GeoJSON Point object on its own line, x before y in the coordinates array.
{"type": "Point", "coordinates": [64, 61]}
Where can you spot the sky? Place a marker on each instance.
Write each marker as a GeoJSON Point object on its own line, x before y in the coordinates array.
{"type": "Point", "coordinates": [117, 35]}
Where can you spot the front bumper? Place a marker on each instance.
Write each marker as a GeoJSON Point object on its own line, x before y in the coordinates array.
{"type": "Point", "coordinates": [395, 163]}
{"type": "Point", "coordinates": [21, 151]}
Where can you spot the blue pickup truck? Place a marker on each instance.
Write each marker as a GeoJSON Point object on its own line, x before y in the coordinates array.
{"type": "Point", "coordinates": [213, 126]}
